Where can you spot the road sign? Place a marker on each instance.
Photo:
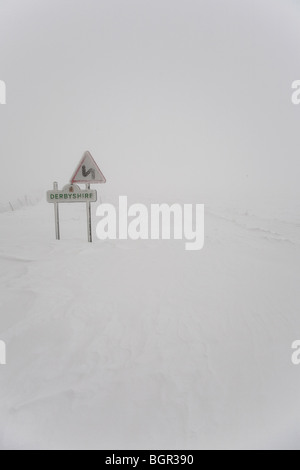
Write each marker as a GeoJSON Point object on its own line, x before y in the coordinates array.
{"type": "Point", "coordinates": [88, 171]}
{"type": "Point", "coordinates": [71, 193]}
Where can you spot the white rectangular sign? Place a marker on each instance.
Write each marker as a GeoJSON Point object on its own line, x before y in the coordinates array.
{"type": "Point", "coordinates": [71, 193]}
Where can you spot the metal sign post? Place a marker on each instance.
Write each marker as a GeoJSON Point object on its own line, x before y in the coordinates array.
{"type": "Point", "coordinates": [89, 217]}
{"type": "Point", "coordinates": [56, 214]}
{"type": "Point", "coordinates": [88, 173]}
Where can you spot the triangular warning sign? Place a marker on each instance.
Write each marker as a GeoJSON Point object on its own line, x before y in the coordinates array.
{"type": "Point", "coordinates": [88, 171]}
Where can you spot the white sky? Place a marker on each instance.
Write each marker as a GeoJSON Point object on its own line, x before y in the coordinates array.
{"type": "Point", "coordinates": [172, 97]}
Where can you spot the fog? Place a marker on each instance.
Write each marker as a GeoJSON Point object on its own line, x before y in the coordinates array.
{"type": "Point", "coordinates": [172, 98]}
{"type": "Point", "coordinates": [140, 343]}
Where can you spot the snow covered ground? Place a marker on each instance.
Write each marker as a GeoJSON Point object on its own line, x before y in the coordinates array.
{"type": "Point", "coordinates": [142, 344]}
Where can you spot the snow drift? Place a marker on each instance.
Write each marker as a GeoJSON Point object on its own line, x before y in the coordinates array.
{"type": "Point", "coordinates": [130, 345]}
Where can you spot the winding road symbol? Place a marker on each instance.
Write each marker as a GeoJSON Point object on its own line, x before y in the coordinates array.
{"type": "Point", "coordinates": [86, 173]}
